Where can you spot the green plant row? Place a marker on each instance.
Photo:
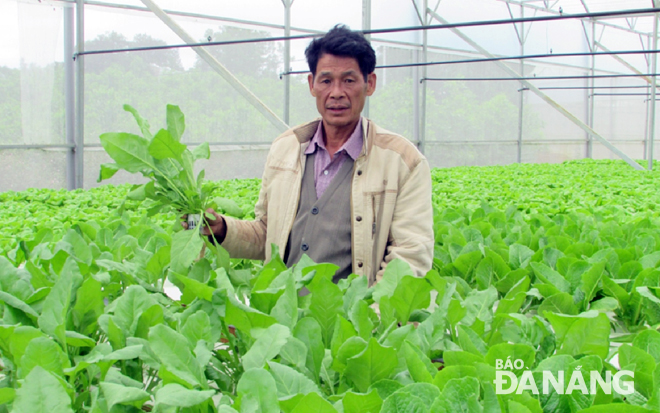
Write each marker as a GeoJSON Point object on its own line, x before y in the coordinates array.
{"type": "Point", "coordinates": [600, 188]}
{"type": "Point", "coordinates": [86, 326]}
{"type": "Point", "coordinates": [537, 269]}
{"type": "Point", "coordinates": [596, 187]}
{"type": "Point", "coordinates": [23, 214]}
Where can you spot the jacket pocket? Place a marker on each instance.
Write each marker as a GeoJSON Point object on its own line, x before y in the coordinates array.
{"type": "Point", "coordinates": [377, 207]}
{"type": "Point", "coordinates": [377, 204]}
{"type": "Point", "coordinates": [373, 214]}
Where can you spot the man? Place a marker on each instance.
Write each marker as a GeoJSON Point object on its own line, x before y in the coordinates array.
{"type": "Point", "coordinates": [339, 189]}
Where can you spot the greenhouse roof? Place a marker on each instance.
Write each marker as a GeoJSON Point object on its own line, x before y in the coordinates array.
{"type": "Point", "coordinates": [642, 23]}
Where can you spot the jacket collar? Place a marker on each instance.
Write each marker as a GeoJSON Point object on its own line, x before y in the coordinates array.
{"type": "Point", "coordinates": [305, 132]}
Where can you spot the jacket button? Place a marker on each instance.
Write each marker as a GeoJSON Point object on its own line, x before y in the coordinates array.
{"type": "Point", "coordinates": [315, 210]}
{"type": "Point", "coordinates": [359, 172]}
{"type": "Point", "coordinates": [304, 247]}
{"type": "Point", "coordinates": [360, 264]}
{"type": "Point", "coordinates": [358, 218]}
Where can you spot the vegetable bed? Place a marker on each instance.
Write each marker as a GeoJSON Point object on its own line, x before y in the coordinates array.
{"type": "Point", "coordinates": [537, 269]}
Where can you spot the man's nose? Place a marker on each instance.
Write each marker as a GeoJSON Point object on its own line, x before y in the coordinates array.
{"type": "Point", "coordinates": [337, 90]}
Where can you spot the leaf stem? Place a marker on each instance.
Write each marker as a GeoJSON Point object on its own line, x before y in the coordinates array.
{"type": "Point", "coordinates": [176, 189]}
{"type": "Point", "coordinates": [232, 344]}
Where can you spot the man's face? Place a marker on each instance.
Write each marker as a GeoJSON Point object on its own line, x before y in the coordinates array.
{"type": "Point", "coordinates": [340, 89]}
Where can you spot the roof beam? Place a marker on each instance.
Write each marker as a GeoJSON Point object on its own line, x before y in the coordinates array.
{"type": "Point", "coordinates": [542, 95]}
{"type": "Point", "coordinates": [550, 11]}
{"type": "Point", "coordinates": [515, 26]}
{"type": "Point", "coordinates": [419, 15]}
{"type": "Point", "coordinates": [218, 67]}
{"type": "Point", "coordinates": [625, 63]}
{"type": "Point", "coordinates": [584, 4]}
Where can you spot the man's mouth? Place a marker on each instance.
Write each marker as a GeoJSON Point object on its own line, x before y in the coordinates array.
{"type": "Point", "coordinates": [337, 108]}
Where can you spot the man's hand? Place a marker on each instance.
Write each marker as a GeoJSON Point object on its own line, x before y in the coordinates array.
{"type": "Point", "coordinates": [216, 226]}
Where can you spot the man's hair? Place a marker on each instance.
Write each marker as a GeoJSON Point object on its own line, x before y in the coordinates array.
{"type": "Point", "coordinates": [342, 41]}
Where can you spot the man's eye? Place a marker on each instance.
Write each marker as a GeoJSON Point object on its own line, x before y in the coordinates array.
{"type": "Point", "coordinates": [325, 81]}
{"type": "Point", "coordinates": [350, 80]}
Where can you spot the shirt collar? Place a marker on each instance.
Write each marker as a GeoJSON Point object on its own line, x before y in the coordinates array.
{"type": "Point", "coordinates": [353, 146]}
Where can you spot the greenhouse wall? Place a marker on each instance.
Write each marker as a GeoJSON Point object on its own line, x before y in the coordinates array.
{"type": "Point", "coordinates": [466, 120]}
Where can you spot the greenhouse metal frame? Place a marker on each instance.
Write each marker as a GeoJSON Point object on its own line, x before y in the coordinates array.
{"type": "Point", "coordinates": [429, 18]}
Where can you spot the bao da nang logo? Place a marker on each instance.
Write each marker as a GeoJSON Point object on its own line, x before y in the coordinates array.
{"type": "Point", "coordinates": [507, 382]}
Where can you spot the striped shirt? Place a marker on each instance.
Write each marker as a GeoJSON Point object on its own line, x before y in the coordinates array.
{"type": "Point", "coordinates": [324, 168]}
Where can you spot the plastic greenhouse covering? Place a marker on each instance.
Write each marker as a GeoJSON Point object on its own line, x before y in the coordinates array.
{"type": "Point", "coordinates": [590, 64]}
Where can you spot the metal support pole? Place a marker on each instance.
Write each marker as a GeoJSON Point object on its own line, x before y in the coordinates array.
{"type": "Point", "coordinates": [69, 95]}
{"type": "Point", "coordinates": [522, 87]}
{"type": "Point", "coordinates": [287, 59]}
{"type": "Point", "coordinates": [425, 51]}
{"type": "Point", "coordinates": [366, 25]}
{"type": "Point", "coordinates": [591, 102]}
{"type": "Point", "coordinates": [654, 67]}
{"type": "Point", "coordinates": [415, 91]}
{"type": "Point", "coordinates": [648, 102]}
{"type": "Point", "coordinates": [80, 94]}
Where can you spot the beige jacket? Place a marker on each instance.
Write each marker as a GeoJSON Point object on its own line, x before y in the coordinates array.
{"type": "Point", "coordinates": [391, 214]}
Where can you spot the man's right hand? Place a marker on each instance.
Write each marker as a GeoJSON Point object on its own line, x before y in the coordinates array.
{"type": "Point", "coordinates": [216, 226]}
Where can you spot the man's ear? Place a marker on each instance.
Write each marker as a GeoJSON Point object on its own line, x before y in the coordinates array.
{"type": "Point", "coordinates": [310, 80]}
{"type": "Point", "coordinates": [371, 83]}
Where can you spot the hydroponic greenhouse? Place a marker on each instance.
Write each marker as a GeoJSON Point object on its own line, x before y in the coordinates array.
{"type": "Point", "coordinates": [478, 230]}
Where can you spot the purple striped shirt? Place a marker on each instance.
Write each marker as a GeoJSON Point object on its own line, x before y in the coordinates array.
{"type": "Point", "coordinates": [324, 168]}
